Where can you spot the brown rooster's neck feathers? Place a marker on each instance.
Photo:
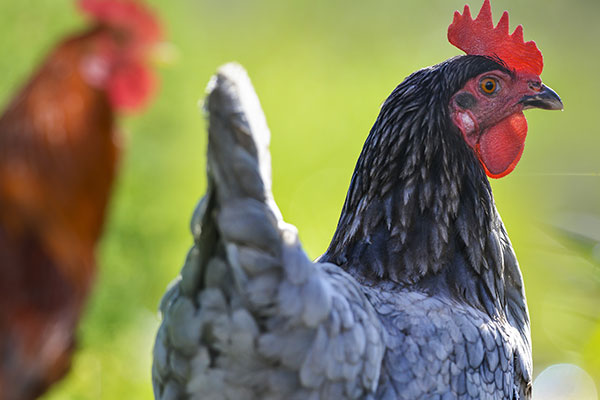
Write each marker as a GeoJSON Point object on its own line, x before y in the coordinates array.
{"type": "Point", "coordinates": [58, 162]}
{"type": "Point", "coordinates": [419, 211]}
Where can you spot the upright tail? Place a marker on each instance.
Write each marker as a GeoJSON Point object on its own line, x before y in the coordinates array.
{"type": "Point", "coordinates": [238, 152]}
{"type": "Point", "coordinates": [251, 317]}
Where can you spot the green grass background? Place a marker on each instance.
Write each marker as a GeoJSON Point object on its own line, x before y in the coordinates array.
{"type": "Point", "coordinates": [321, 69]}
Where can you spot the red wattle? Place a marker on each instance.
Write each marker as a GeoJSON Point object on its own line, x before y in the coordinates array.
{"type": "Point", "coordinates": [130, 86]}
{"type": "Point", "coordinates": [501, 146]}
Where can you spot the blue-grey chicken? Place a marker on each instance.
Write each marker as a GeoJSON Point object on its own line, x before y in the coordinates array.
{"type": "Point", "coordinates": [419, 295]}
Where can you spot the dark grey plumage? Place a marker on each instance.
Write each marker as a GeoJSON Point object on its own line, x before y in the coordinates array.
{"type": "Point", "coordinates": [419, 295]}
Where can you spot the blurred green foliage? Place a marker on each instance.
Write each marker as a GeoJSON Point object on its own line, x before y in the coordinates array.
{"type": "Point", "coordinates": [321, 69]}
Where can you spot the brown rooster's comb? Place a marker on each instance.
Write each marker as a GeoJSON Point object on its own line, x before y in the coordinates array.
{"type": "Point", "coordinates": [128, 14]}
{"type": "Point", "coordinates": [479, 37]}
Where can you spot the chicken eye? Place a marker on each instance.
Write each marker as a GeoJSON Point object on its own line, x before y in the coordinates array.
{"type": "Point", "coordinates": [489, 85]}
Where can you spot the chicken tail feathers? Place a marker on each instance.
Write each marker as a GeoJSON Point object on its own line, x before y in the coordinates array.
{"type": "Point", "coordinates": [251, 316]}
{"type": "Point", "coordinates": [238, 149]}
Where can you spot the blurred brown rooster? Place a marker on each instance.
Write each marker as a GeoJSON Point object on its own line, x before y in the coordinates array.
{"type": "Point", "coordinates": [58, 155]}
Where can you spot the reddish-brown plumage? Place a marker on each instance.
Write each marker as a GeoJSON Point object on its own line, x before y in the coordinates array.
{"type": "Point", "coordinates": [58, 157]}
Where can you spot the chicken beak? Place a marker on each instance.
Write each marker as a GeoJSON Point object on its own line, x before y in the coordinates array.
{"type": "Point", "coordinates": [546, 99]}
{"type": "Point", "coordinates": [163, 54]}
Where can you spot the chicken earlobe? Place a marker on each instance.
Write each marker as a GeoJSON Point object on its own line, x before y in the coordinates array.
{"type": "Point", "coordinates": [251, 317]}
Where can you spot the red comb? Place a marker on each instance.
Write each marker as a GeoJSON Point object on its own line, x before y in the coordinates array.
{"type": "Point", "coordinates": [479, 37]}
{"type": "Point", "coordinates": [126, 14]}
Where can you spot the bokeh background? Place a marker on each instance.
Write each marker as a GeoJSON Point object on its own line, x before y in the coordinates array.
{"type": "Point", "coordinates": [321, 69]}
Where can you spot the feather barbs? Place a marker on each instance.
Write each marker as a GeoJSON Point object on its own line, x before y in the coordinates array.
{"type": "Point", "coordinates": [479, 37]}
